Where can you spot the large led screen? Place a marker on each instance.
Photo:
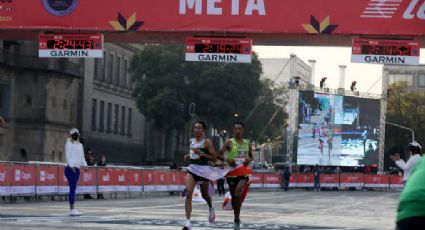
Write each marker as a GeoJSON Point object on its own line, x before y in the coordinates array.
{"type": "Point", "coordinates": [337, 130]}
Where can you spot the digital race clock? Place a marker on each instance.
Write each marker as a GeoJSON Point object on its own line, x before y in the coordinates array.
{"type": "Point", "coordinates": [400, 52]}
{"type": "Point", "coordinates": [216, 49]}
{"type": "Point", "coordinates": [71, 45]}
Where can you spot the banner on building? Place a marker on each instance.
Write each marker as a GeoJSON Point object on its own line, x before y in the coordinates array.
{"type": "Point", "coordinates": [365, 17]}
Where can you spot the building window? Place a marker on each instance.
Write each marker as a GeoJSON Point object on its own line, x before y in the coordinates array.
{"type": "Point", "coordinates": [408, 78]}
{"type": "Point", "coordinates": [110, 68]}
{"type": "Point", "coordinates": [117, 117]}
{"type": "Point", "coordinates": [129, 122]}
{"type": "Point", "coordinates": [104, 67]}
{"type": "Point", "coordinates": [109, 118]}
{"type": "Point", "coordinates": [54, 102]}
{"type": "Point", "coordinates": [28, 100]}
{"type": "Point", "coordinates": [93, 114]}
{"type": "Point", "coordinates": [122, 120]}
{"type": "Point", "coordinates": [96, 68]}
{"type": "Point", "coordinates": [125, 74]}
{"type": "Point", "coordinates": [65, 104]}
{"type": "Point", "coordinates": [421, 82]}
{"type": "Point", "coordinates": [102, 116]}
{"type": "Point", "coordinates": [117, 70]}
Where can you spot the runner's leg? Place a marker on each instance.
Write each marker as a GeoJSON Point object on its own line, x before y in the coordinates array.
{"type": "Point", "coordinates": [204, 190]}
{"type": "Point", "coordinates": [190, 185]}
{"type": "Point", "coordinates": [236, 198]}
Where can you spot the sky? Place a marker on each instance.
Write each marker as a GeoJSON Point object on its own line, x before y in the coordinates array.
{"type": "Point", "coordinates": [328, 59]}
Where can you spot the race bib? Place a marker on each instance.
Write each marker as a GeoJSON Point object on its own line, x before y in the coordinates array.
{"type": "Point", "coordinates": [240, 161]}
{"type": "Point", "coordinates": [193, 155]}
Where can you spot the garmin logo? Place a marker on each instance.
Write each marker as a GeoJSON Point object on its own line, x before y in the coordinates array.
{"type": "Point", "coordinates": [218, 57]}
{"type": "Point", "coordinates": [60, 7]}
{"type": "Point", "coordinates": [384, 60]}
{"type": "Point", "coordinates": [69, 53]}
{"type": "Point", "coordinates": [216, 7]}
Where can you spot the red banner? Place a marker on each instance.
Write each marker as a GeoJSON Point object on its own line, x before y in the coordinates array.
{"type": "Point", "coordinates": [87, 182]}
{"type": "Point", "coordinates": [352, 179]}
{"type": "Point", "coordinates": [63, 182]}
{"type": "Point", "coordinates": [105, 180]}
{"type": "Point", "coordinates": [257, 180]}
{"type": "Point", "coordinates": [272, 180]}
{"type": "Point", "coordinates": [155, 180]}
{"type": "Point", "coordinates": [376, 181]}
{"type": "Point", "coordinates": [177, 181]}
{"type": "Point", "coordinates": [47, 179]}
{"type": "Point", "coordinates": [23, 179]}
{"type": "Point", "coordinates": [293, 180]}
{"type": "Point", "coordinates": [161, 180]}
{"type": "Point", "coordinates": [135, 177]}
{"type": "Point", "coordinates": [244, 16]}
{"type": "Point", "coordinates": [5, 179]}
{"type": "Point", "coordinates": [120, 180]}
{"type": "Point", "coordinates": [329, 180]}
{"type": "Point", "coordinates": [396, 182]}
{"type": "Point", "coordinates": [305, 179]}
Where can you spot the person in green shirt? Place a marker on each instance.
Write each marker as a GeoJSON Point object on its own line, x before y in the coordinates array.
{"type": "Point", "coordinates": [239, 156]}
{"type": "Point", "coordinates": [411, 206]}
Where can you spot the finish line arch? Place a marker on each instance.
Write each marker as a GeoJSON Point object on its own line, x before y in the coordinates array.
{"type": "Point", "coordinates": [267, 22]}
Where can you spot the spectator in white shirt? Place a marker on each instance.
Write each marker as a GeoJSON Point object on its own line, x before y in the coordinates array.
{"type": "Point", "coordinates": [415, 152]}
{"type": "Point", "coordinates": [74, 159]}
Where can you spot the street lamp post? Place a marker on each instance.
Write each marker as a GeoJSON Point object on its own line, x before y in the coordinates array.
{"type": "Point", "coordinates": [403, 127]}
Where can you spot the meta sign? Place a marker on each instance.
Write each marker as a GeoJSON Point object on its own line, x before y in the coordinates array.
{"type": "Point", "coordinates": [389, 52]}
{"type": "Point", "coordinates": [231, 50]}
{"type": "Point", "coordinates": [70, 46]}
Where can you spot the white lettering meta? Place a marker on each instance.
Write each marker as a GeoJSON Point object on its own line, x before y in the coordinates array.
{"type": "Point", "coordinates": [213, 7]}
{"type": "Point", "coordinates": [235, 7]}
{"type": "Point", "coordinates": [191, 4]}
{"type": "Point", "coordinates": [409, 14]}
{"type": "Point", "coordinates": [257, 5]}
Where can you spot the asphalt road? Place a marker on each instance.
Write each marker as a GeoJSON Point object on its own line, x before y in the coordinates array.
{"type": "Point", "coordinates": [299, 210]}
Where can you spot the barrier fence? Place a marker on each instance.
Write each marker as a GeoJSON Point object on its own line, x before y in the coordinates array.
{"type": "Point", "coordinates": [23, 179]}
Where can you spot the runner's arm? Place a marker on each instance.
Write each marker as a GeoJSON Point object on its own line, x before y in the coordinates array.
{"type": "Point", "coordinates": [223, 149]}
{"type": "Point", "coordinates": [249, 159]}
{"type": "Point", "coordinates": [212, 156]}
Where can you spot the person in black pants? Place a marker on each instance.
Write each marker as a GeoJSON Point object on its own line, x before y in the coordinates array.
{"type": "Point", "coordinates": [220, 187]}
{"type": "Point", "coordinates": [286, 179]}
{"type": "Point", "coordinates": [101, 163]}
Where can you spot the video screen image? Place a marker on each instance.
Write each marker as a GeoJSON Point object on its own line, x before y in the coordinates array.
{"type": "Point", "coordinates": [337, 130]}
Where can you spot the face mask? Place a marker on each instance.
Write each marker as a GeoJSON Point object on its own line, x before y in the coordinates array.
{"type": "Point", "coordinates": [74, 136]}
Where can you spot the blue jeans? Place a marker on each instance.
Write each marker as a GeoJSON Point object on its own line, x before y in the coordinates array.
{"type": "Point", "coordinates": [72, 178]}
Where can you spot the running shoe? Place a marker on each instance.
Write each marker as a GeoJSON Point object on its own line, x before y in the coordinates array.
{"type": "Point", "coordinates": [187, 226]}
{"type": "Point", "coordinates": [75, 212]}
{"type": "Point", "coordinates": [237, 225]}
{"type": "Point", "coordinates": [211, 216]}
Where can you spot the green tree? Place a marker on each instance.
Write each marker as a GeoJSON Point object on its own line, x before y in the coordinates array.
{"type": "Point", "coordinates": [405, 108]}
{"type": "Point", "coordinates": [160, 88]}
{"type": "Point", "coordinates": [165, 83]}
{"type": "Point", "coordinates": [267, 120]}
